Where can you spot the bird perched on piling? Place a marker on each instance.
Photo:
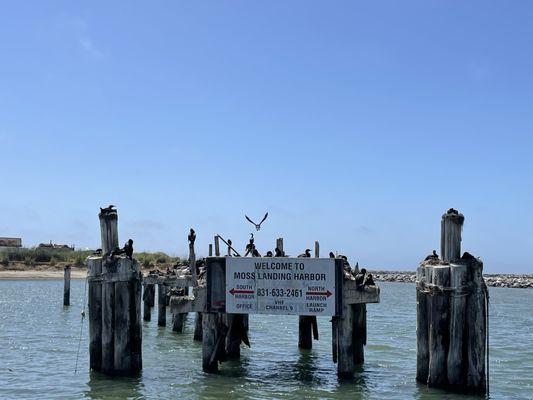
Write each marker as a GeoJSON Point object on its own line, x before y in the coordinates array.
{"type": "Point", "coordinates": [107, 209]}
{"type": "Point", "coordinates": [250, 246]}
{"type": "Point", "coordinates": [331, 255]}
{"type": "Point", "coordinates": [278, 252]}
{"type": "Point", "coordinates": [360, 278]}
{"type": "Point", "coordinates": [433, 256]}
{"type": "Point", "coordinates": [307, 254]}
{"type": "Point", "coordinates": [369, 281]}
{"type": "Point", "coordinates": [128, 249]}
{"type": "Point", "coordinates": [192, 236]}
{"type": "Point", "coordinates": [97, 252]}
{"type": "Point", "coordinates": [257, 226]}
{"type": "Point", "coordinates": [269, 254]}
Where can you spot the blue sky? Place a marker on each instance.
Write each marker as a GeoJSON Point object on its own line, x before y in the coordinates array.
{"type": "Point", "coordinates": [355, 124]}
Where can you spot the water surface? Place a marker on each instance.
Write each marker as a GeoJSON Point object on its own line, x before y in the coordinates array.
{"type": "Point", "coordinates": [39, 340]}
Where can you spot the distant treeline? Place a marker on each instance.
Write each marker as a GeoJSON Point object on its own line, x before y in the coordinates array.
{"type": "Point", "coordinates": [37, 255]}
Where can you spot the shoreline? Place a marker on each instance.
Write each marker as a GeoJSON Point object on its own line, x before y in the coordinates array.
{"type": "Point", "coordinates": [520, 281]}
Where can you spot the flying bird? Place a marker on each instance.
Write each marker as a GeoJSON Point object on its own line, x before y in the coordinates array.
{"type": "Point", "coordinates": [257, 226]}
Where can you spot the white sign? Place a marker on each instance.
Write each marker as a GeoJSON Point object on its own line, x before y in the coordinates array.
{"type": "Point", "coordinates": [297, 286]}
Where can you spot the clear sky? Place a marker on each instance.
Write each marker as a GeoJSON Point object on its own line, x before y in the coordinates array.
{"type": "Point", "coordinates": [353, 123]}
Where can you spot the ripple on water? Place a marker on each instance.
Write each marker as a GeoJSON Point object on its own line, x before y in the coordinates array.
{"type": "Point", "coordinates": [39, 339]}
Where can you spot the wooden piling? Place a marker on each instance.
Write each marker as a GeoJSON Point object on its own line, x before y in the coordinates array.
{"type": "Point", "coordinates": [345, 343]}
{"type": "Point", "coordinates": [94, 268]}
{"type": "Point", "coordinates": [455, 359]}
{"type": "Point", "coordinates": [422, 324]}
{"type": "Point", "coordinates": [438, 305]}
{"type": "Point", "coordinates": [235, 334]}
{"type": "Point", "coordinates": [178, 321]}
{"type": "Point", "coordinates": [115, 336]}
{"type": "Point", "coordinates": [148, 300]}
{"type": "Point", "coordinates": [211, 339]}
{"type": "Point", "coordinates": [198, 334]}
{"type": "Point", "coordinates": [66, 286]}
{"type": "Point", "coordinates": [161, 304]}
{"type": "Point", "coordinates": [451, 227]}
{"type": "Point", "coordinates": [108, 231]}
{"type": "Point", "coordinates": [308, 324]}
{"type": "Point", "coordinates": [452, 305]}
{"type": "Point", "coordinates": [210, 250]}
{"type": "Point", "coordinates": [476, 328]}
{"type": "Point", "coordinates": [359, 333]}
{"type": "Point", "coordinates": [217, 246]}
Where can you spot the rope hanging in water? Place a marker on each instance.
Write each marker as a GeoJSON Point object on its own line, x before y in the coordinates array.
{"type": "Point", "coordinates": [82, 319]}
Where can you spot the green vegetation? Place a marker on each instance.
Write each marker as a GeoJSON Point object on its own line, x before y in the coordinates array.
{"type": "Point", "coordinates": [31, 257]}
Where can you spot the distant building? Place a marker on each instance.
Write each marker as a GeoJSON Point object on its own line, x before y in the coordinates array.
{"type": "Point", "coordinates": [55, 246]}
{"type": "Point", "coordinates": [7, 243]}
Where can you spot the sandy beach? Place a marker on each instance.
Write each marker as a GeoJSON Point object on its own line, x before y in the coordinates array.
{"type": "Point", "coordinates": [76, 273]}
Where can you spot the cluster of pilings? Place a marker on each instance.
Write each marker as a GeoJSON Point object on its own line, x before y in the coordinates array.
{"type": "Point", "coordinates": [452, 312]}
{"type": "Point", "coordinates": [114, 281]}
{"type": "Point", "coordinates": [452, 304]}
{"type": "Point", "coordinates": [222, 333]}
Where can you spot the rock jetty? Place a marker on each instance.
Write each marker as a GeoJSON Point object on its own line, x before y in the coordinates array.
{"type": "Point", "coordinates": [494, 280]}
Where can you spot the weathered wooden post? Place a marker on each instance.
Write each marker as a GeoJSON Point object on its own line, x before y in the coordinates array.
{"type": "Point", "coordinates": [344, 340]}
{"type": "Point", "coordinates": [210, 250]}
{"type": "Point", "coordinates": [198, 327]}
{"type": "Point", "coordinates": [115, 337]}
{"type": "Point", "coordinates": [66, 287]}
{"type": "Point", "coordinates": [451, 315]}
{"type": "Point", "coordinates": [108, 230]}
{"type": "Point", "coordinates": [307, 324]}
{"type": "Point", "coordinates": [438, 305]}
{"type": "Point", "coordinates": [95, 278]}
{"type": "Point", "coordinates": [450, 241]}
{"type": "Point", "coordinates": [217, 246]}
{"type": "Point", "coordinates": [161, 304]}
{"type": "Point", "coordinates": [149, 300]}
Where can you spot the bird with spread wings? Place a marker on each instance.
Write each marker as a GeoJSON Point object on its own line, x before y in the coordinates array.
{"type": "Point", "coordinates": [257, 226]}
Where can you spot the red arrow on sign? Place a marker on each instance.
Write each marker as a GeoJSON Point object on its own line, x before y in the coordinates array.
{"type": "Point", "coordinates": [234, 291]}
{"type": "Point", "coordinates": [327, 294]}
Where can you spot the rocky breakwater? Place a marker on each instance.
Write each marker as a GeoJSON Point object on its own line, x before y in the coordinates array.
{"type": "Point", "coordinates": [494, 280]}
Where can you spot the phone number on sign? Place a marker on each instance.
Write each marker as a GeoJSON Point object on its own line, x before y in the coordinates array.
{"type": "Point", "coordinates": [279, 292]}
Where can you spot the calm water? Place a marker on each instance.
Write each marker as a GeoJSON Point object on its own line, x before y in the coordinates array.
{"type": "Point", "coordinates": [39, 340]}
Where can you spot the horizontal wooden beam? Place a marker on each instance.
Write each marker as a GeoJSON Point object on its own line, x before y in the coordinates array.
{"type": "Point", "coordinates": [175, 281]}
{"type": "Point", "coordinates": [365, 294]}
{"type": "Point", "coordinates": [195, 303]}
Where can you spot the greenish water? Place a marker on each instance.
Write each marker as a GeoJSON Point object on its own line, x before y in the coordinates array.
{"type": "Point", "coordinates": [39, 340]}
